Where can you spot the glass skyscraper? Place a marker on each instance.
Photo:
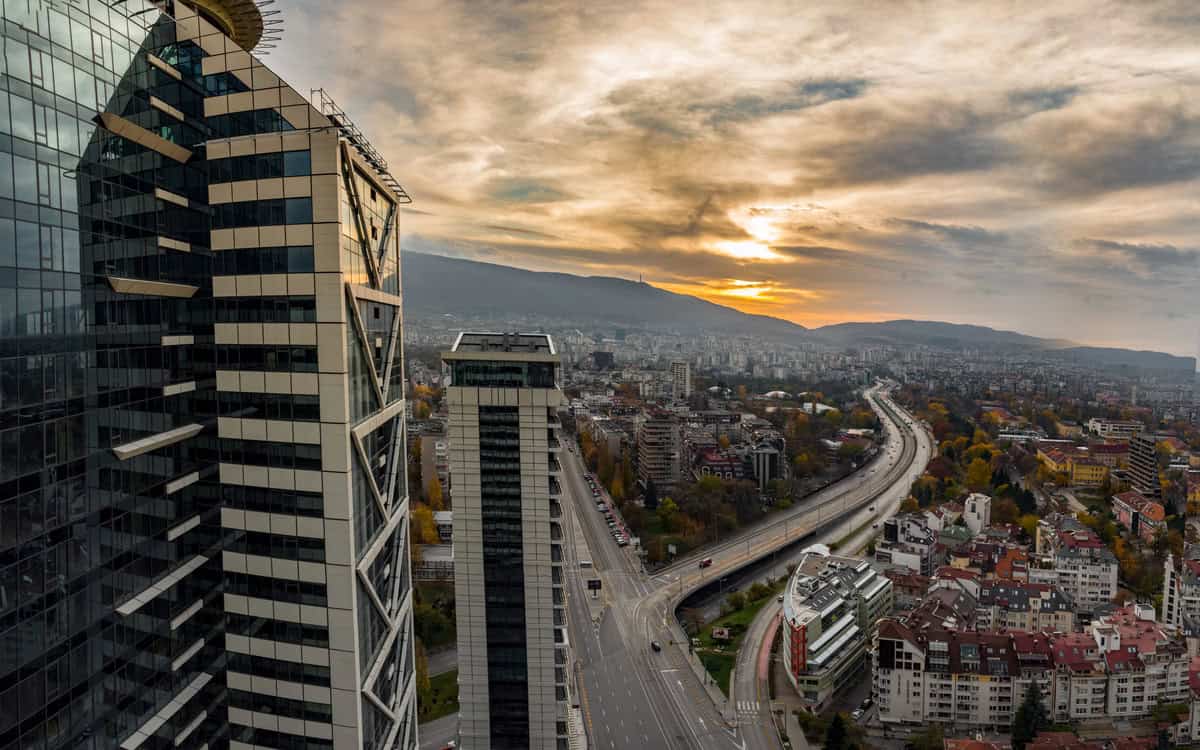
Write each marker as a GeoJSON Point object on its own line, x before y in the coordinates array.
{"type": "Point", "coordinates": [203, 518]}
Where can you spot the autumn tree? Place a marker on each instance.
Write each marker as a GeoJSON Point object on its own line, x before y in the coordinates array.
{"type": "Point", "coordinates": [424, 530]}
{"type": "Point", "coordinates": [433, 495]}
{"type": "Point", "coordinates": [979, 475]}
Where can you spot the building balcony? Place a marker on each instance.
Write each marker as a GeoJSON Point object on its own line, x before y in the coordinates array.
{"type": "Point", "coordinates": [555, 488]}
{"type": "Point", "coordinates": [555, 509]}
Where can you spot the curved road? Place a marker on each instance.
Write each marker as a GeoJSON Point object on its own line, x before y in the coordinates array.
{"type": "Point", "coordinates": [751, 691]}
{"type": "Point", "coordinates": [634, 696]}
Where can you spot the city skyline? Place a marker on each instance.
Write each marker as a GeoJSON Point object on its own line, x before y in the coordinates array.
{"type": "Point", "coordinates": [813, 165]}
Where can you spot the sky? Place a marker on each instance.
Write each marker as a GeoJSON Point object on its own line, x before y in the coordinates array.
{"type": "Point", "coordinates": [1030, 166]}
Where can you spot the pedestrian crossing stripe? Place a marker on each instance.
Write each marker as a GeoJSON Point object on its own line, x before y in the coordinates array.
{"type": "Point", "coordinates": [747, 706]}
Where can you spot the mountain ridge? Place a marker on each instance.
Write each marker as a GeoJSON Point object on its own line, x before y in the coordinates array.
{"type": "Point", "coordinates": [462, 287]}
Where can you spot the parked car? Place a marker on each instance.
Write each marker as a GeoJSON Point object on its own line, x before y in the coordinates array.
{"type": "Point", "coordinates": [656, 645]}
{"type": "Point", "coordinates": [706, 562]}
{"type": "Point", "coordinates": [857, 714]}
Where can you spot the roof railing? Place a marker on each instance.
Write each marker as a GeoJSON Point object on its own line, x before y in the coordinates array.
{"type": "Point", "coordinates": [351, 132]}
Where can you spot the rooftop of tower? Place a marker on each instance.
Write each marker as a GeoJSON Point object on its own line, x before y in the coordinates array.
{"type": "Point", "coordinates": [240, 20]}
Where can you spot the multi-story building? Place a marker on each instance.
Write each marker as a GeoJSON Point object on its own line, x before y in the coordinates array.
{"type": "Point", "coordinates": [1112, 455]}
{"type": "Point", "coordinates": [681, 379]}
{"type": "Point", "coordinates": [203, 514]}
{"type": "Point", "coordinates": [659, 446]}
{"type": "Point", "coordinates": [908, 542]}
{"type": "Point", "coordinates": [1181, 589]}
{"type": "Point", "coordinates": [1114, 429]}
{"type": "Point", "coordinates": [1142, 516]}
{"type": "Point", "coordinates": [830, 609]}
{"type": "Point", "coordinates": [1029, 607]}
{"type": "Point", "coordinates": [977, 512]}
{"type": "Point", "coordinates": [1087, 471]}
{"type": "Point", "coordinates": [1122, 667]}
{"type": "Point", "coordinates": [513, 651]}
{"type": "Point", "coordinates": [1080, 563]}
{"type": "Point", "coordinates": [1143, 466]}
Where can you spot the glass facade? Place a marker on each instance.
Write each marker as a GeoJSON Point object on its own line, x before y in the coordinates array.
{"type": "Point", "coordinates": [504, 575]}
{"type": "Point", "coordinates": [137, 436]}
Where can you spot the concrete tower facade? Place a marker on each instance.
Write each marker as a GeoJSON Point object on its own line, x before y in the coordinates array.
{"type": "Point", "coordinates": [513, 648]}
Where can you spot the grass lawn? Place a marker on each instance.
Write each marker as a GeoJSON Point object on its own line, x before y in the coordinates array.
{"type": "Point", "coordinates": [719, 656]}
{"type": "Point", "coordinates": [442, 698]}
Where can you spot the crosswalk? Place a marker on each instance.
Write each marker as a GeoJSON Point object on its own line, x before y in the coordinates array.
{"type": "Point", "coordinates": [747, 708]}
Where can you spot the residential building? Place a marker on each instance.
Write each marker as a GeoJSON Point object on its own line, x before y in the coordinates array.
{"type": "Point", "coordinates": [203, 516]}
{"type": "Point", "coordinates": [908, 542]}
{"type": "Point", "coordinates": [1120, 668]}
{"type": "Point", "coordinates": [1029, 607]}
{"type": "Point", "coordinates": [681, 379]}
{"type": "Point", "coordinates": [1181, 589]}
{"type": "Point", "coordinates": [514, 653]}
{"type": "Point", "coordinates": [1112, 455]}
{"type": "Point", "coordinates": [830, 608]}
{"type": "Point", "coordinates": [659, 448]}
{"type": "Point", "coordinates": [978, 512]}
{"type": "Point", "coordinates": [1115, 429]}
{"type": "Point", "coordinates": [1143, 466]}
{"type": "Point", "coordinates": [1080, 563]}
{"type": "Point", "coordinates": [1141, 515]}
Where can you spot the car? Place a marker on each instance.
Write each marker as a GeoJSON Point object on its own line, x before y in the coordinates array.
{"type": "Point", "coordinates": [622, 542]}
{"type": "Point", "coordinates": [875, 525]}
{"type": "Point", "coordinates": [871, 509]}
{"type": "Point", "coordinates": [858, 712]}
{"type": "Point", "coordinates": [779, 598]}
{"type": "Point", "coordinates": [656, 645]}
{"type": "Point", "coordinates": [867, 703]}
{"type": "Point", "coordinates": [601, 507]}
{"type": "Point", "coordinates": [706, 562]}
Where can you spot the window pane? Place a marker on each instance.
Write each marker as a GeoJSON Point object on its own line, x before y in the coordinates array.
{"type": "Point", "coordinates": [296, 163]}
{"type": "Point", "coordinates": [299, 210]}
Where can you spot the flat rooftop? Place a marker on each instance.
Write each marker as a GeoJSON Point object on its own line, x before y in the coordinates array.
{"type": "Point", "coordinates": [536, 347]}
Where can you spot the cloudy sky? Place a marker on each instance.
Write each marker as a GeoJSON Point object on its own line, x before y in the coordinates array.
{"type": "Point", "coordinates": [1031, 166]}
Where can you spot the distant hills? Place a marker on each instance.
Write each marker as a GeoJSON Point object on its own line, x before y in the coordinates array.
{"type": "Point", "coordinates": [435, 285]}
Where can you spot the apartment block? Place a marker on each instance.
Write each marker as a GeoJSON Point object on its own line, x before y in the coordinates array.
{"type": "Point", "coordinates": [514, 653]}
{"type": "Point", "coordinates": [1122, 667]}
{"type": "Point", "coordinates": [659, 450]}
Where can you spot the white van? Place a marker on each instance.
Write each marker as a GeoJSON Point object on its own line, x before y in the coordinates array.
{"type": "Point", "coordinates": [585, 563]}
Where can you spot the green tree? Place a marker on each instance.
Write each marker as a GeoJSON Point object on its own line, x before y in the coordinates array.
{"type": "Point", "coordinates": [666, 512]}
{"type": "Point", "coordinates": [736, 601]}
{"type": "Point", "coordinates": [1030, 718]}
{"type": "Point", "coordinates": [836, 737]}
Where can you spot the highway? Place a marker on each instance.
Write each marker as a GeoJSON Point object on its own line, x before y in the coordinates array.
{"type": "Point", "coordinates": [751, 693]}
{"type": "Point", "coordinates": [634, 696]}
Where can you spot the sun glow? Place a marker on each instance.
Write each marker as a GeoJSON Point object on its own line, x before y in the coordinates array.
{"type": "Point", "coordinates": [748, 250]}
